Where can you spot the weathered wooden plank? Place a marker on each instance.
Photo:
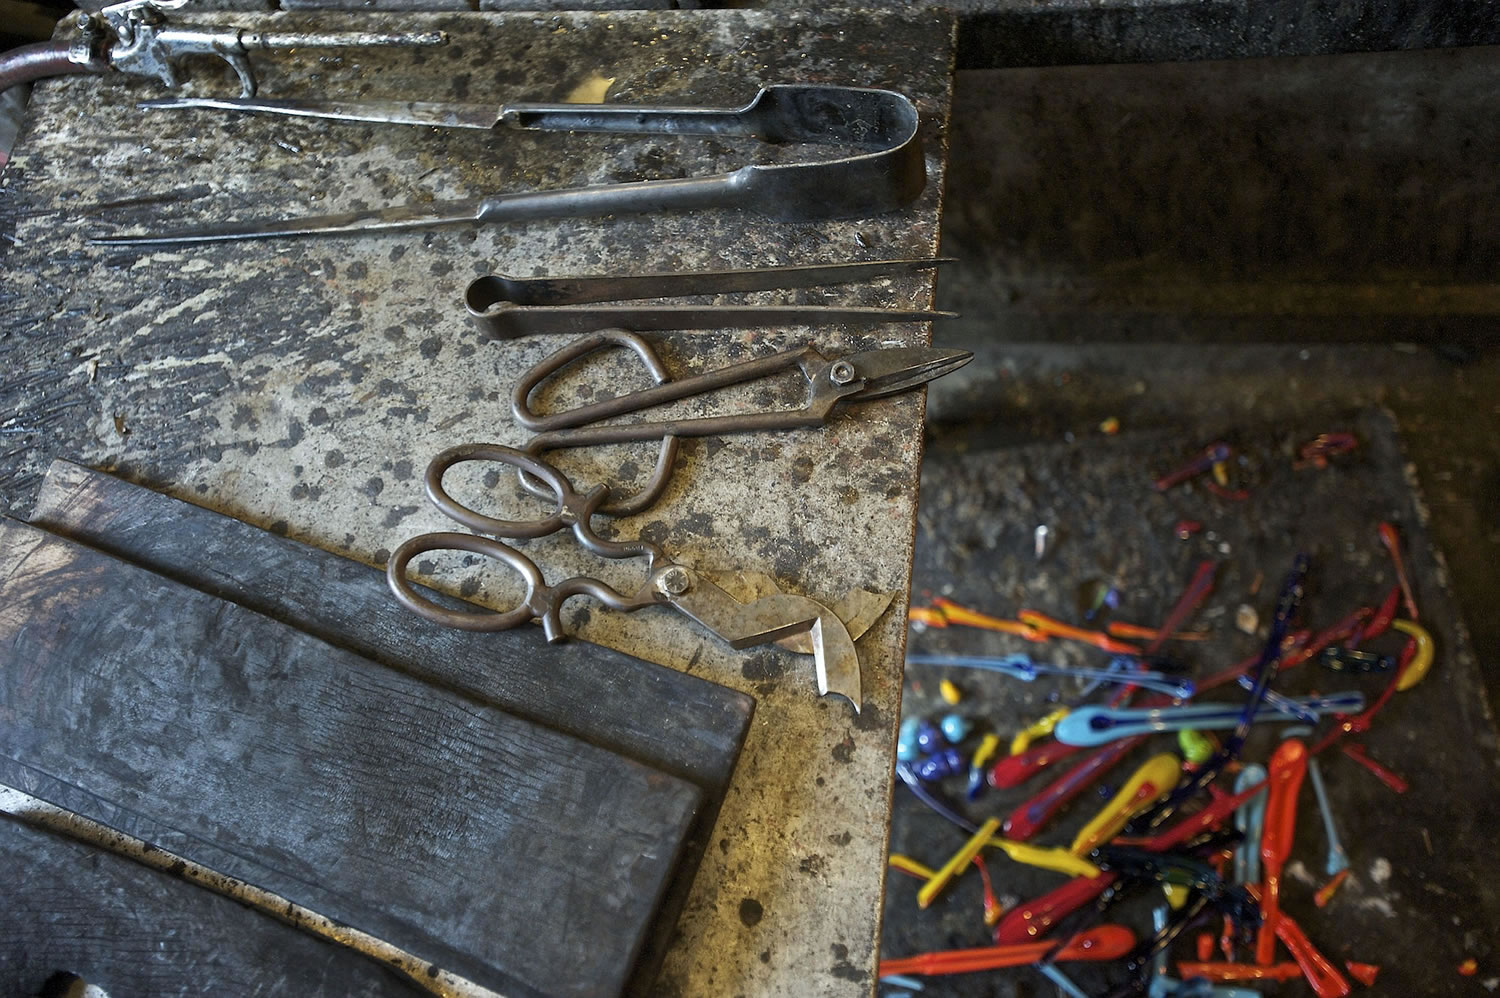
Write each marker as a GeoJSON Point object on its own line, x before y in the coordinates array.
{"type": "Point", "coordinates": [135, 932]}
{"type": "Point", "coordinates": [603, 696]}
{"type": "Point", "coordinates": [516, 856]}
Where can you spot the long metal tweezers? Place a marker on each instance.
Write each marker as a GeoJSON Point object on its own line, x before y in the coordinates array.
{"type": "Point", "coordinates": [506, 307]}
{"type": "Point", "coordinates": [888, 174]}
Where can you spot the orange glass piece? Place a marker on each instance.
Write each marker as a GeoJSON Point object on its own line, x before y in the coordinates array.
{"type": "Point", "coordinates": [927, 615]}
{"type": "Point", "coordinates": [1288, 766]}
{"type": "Point", "coordinates": [955, 614]}
{"type": "Point", "coordinates": [1103, 943]}
{"type": "Point", "coordinates": [1120, 629]}
{"type": "Point", "coordinates": [1326, 892]}
{"type": "Point", "coordinates": [1057, 629]}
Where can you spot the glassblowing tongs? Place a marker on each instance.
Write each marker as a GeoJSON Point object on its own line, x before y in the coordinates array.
{"type": "Point", "coordinates": [886, 175]}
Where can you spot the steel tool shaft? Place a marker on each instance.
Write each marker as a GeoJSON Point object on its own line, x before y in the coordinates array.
{"type": "Point", "coordinates": [506, 307]}
{"type": "Point", "coordinates": [889, 174]}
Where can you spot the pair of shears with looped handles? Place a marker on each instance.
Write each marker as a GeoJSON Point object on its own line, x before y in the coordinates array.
{"type": "Point", "coordinates": [776, 617]}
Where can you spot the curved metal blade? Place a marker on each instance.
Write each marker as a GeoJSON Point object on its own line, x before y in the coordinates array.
{"type": "Point", "coordinates": [770, 618]}
{"type": "Point", "coordinates": [888, 372]}
{"type": "Point", "coordinates": [858, 609]}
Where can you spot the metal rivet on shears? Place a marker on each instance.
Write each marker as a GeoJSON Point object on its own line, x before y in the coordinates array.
{"type": "Point", "coordinates": [675, 581]}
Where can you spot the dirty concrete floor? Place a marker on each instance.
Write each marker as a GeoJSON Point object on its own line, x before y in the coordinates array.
{"type": "Point", "coordinates": [1263, 205]}
{"type": "Point", "coordinates": [1206, 247]}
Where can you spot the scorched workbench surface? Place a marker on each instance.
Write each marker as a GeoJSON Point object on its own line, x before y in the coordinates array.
{"type": "Point", "coordinates": [303, 384]}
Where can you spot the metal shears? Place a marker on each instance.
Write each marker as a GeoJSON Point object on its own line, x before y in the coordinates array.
{"type": "Point", "coordinates": [831, 382]}
{"type": "Point", "coordinates": [769, 619]}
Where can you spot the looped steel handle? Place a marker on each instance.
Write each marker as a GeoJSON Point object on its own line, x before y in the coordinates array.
{"type": "Point", "coordinates": [572, 508]}
{"type": "Point", "coordinates": [541, 600]}
{"type": "Point", "coordinates": [407, 595]}
{"type": "Point", "coordinates": [520, 399]}
{"type": "Point", "coordinates": [546, 426]}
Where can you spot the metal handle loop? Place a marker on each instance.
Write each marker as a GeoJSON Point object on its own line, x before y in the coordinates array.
{"type": "Point", "coordinates": [552, 484]}
{"type": "Point", "coordinates": [520, 399]}
{"type": "Point", "coordinates": [520, 407]}
{"type": "Point", "coordinates": [536, 603]}
{"type": "Point", "coordinates": [640, 501]}
{"type": "Point", "coordinates": [573, 511]}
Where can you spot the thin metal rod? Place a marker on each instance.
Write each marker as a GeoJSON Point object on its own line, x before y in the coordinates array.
{"type": "Point", "coordinates": [490, 290]}
{"type": "Point", "coordinates": [605, 199]}
{"type": "Point", "coordinates": [508, 321]}
{"type": "Point", "coordinates": [888, 173]}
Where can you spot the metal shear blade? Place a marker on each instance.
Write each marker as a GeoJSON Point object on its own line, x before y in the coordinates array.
{"type": "Point", "coordinates": [830, 383]}
{"type": "Point", "coordinates": [776, 618]}
{"type": "Point", "coordinates": [892, 371]}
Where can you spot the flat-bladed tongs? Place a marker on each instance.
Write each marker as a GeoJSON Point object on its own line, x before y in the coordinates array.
{"type": "Point", "coordinates": [886, 174]}
{"type": "Point", "coordinates": [505, 307]}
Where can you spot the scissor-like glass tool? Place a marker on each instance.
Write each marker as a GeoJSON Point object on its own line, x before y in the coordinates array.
{"type": "Point", "coordinates": [831, 382]}
{"type": "Point", "coordinates": [741, 625]}
{"type": "Point", "coordinates": [772, 618]}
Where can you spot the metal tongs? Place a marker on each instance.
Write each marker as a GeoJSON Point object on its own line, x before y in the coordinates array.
{"type": "Point", "coordinates": [505, 307]}
{"type": "Point", "coordinates": [888, 174]}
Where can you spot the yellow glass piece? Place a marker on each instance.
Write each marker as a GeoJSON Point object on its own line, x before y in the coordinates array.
{"type": "Point", "coordinates": [1418, 668]}
{"type": "Point", "coordinates": [949, 692]}
{"type": "Point", "coordinates": [1161, 772]}
{"type": "Point", "coordinates": [1022, 741]}
{"type": "Point", "coordinates": [927, 615]}
{"type": "Point", "coordinates": [1056, 859]}
{"type": "Point", "coordinates": [988, 746]}
{"type": "Point", "coordinates": [908, 865]}
{"type": "Point", "coordinates": [960, 859]}
{"type": "Point", "coordinates": [1177, 895]}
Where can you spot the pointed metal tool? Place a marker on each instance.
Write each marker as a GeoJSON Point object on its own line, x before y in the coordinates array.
{"type": "Point", "coordinates": [506, 307]}
{"type": "Point", "coordinates": [888, 172]}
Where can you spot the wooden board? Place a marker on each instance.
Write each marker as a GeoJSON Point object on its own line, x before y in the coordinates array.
{"type": "Point", "coordinates": [134, 932]}
{"type": "Point", "coordinates": [462, 834]}
{"type": "Point", "coordinates": [602, 696]}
